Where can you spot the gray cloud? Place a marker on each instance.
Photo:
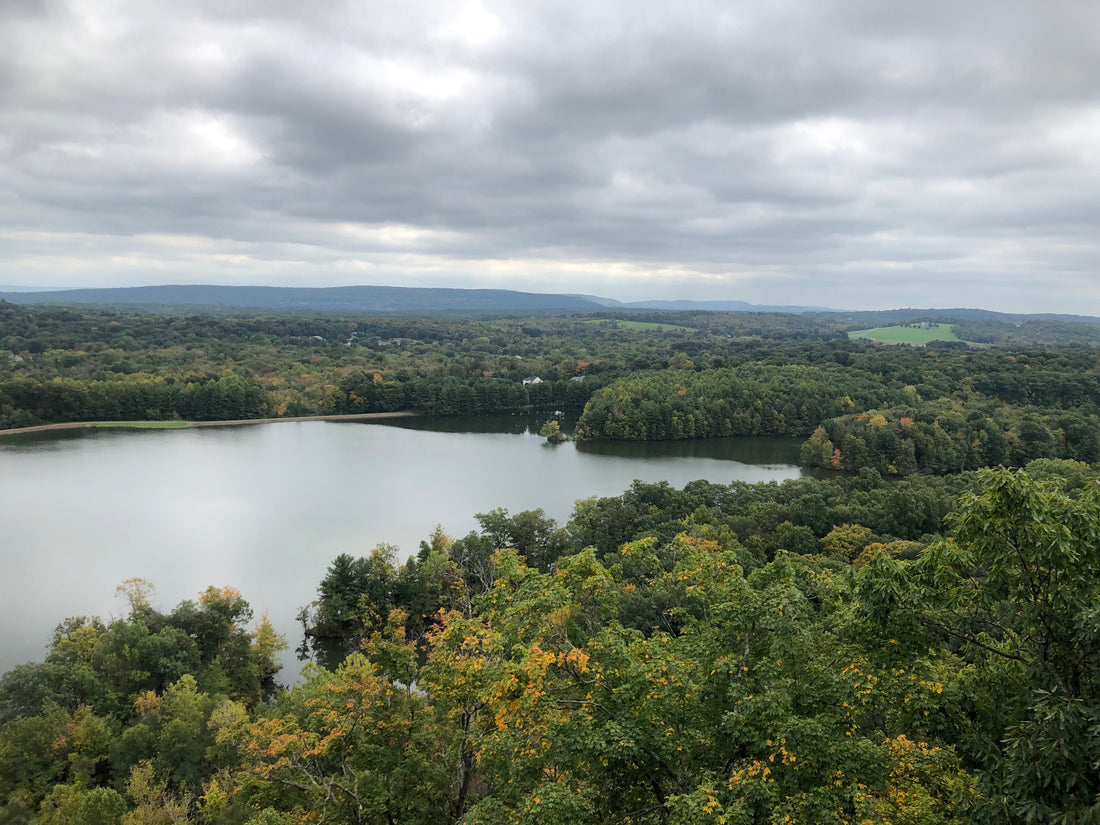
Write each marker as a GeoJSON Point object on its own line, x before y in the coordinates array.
{"type": "Point", "coordinates": [847, 153]}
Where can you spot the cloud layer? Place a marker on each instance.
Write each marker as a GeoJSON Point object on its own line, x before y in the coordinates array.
{"type": "Point", "coordinates": [847, 153]}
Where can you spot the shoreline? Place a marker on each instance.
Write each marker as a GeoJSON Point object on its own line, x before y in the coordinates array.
{"type": "Point", "coordinates": [189, 425]}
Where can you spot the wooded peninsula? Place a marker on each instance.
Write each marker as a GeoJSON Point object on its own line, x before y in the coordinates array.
{"type": "Point", "coordinates": [910, 635]}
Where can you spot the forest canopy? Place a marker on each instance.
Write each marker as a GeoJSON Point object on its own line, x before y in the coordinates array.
{"type": "Point", "coordinates": [657, 659]}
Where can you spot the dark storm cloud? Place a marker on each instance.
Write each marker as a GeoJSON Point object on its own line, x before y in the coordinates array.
{"type": "Point", "coordinates": [859, 153]}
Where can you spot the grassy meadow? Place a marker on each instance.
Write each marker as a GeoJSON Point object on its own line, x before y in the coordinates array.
{"type": "Point", "coordinates": [917, 336]}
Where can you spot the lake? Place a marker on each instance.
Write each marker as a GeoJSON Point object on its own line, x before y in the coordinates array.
{"type": "Point", "coordinates": [265, 508]}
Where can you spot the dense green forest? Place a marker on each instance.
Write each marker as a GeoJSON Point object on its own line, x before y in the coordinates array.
{"type": "Point", "coordinates": [840, 650]}
{"type": "Point", "coordinates": [900, 410]}
{"type": "Point", "coordinates": [913, 639]}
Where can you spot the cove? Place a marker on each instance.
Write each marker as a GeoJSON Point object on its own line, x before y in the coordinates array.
{"type": "Point", "coordinates": [266, 508]}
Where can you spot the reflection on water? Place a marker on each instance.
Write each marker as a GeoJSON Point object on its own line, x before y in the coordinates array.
{"type": "Point", "coordinates": [266, 508]}
{"type": "Point", "coordinates": [49, 440]}
{"type": "Point", "coordinates": [762, 451]}
{"type": "Point", "coordinates": [519, 424]}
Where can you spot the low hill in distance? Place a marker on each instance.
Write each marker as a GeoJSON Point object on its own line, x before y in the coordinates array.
{"type": "Point", "coordinates": [399, 300]}
{"type": "Point", "coordinates": [349, 299]}
{"type": "Point", "coordinates": [378, 300]}
{"type": "Point", "coordinates": [888, 317]}
{"type": "Point", "coordinates": [704, 306]}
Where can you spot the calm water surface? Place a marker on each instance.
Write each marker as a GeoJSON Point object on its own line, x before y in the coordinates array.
{"type": "Point", "coordinates": [265, 508]}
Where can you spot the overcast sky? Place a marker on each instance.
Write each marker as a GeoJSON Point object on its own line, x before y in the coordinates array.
{"type": "Point", "coordinates": [849, 154]}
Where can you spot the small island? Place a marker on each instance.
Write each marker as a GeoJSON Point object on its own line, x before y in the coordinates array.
{"type": "Point", "coordinates": [551, 431]}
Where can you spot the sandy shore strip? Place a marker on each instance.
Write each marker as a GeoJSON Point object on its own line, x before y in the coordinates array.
{"type": "Point", "coordinates": [151, 425]}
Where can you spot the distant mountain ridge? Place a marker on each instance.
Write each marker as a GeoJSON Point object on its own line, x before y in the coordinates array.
{"type": "Point", "coordinates": [381, 299]}
{"type": "Point", "coordinates": [403, 300]}
{"type": "Point", "coordinates": [704, 306]}
{"type": "Point", "coordinates": [888, 316]}
{"type": "Point", "coordinates": [384, 299]}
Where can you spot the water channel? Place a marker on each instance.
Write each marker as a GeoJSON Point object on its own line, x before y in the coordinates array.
{"type": "Point", "coordinates": [265, 508]}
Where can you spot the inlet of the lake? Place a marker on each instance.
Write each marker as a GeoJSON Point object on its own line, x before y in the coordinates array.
{"type": "Point", "coordinates": [266, 508]}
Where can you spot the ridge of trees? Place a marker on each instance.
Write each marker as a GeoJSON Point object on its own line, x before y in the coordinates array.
{"type": "Point", "coordinates": [938, 412]}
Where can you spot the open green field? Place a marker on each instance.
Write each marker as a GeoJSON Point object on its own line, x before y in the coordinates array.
{"type": "Point", "coordinates": [143, 425]}
{"type": "Point", "coordinates": [642, 326]}
{"type": "Point", "coordinates": [907, 335]}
